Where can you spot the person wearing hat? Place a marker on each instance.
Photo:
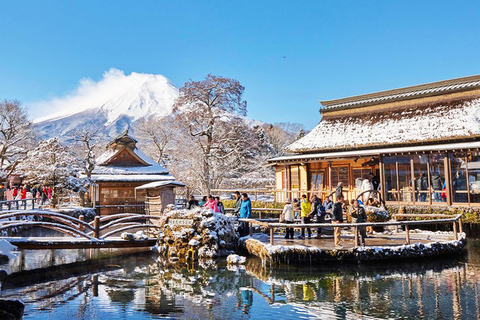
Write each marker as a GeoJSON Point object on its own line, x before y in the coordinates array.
{"type": "Point", "coordinates": [288, 217]}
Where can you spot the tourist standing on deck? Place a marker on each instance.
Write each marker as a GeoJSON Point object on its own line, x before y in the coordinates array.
{"type": "Point", "coordinates": [361, 216]}
{"type": "Point", "coordinates": [306, 208]}
{"type": "Point", "coordinates": [339, 190]}
{"type": "Point", "coordinates": [316, 212]}
{"type": "Point", "coordinates": [211, 203]}
{"type": "Point", "coordinates": [367, 185]}
{"type": "Point", "coordinates": [238, 203]}
{"type": "Point", "coordinates": [288, 217]}
{"type": "Point", "coordinates": [245, 212]}
{"type": "Point", "coordinates": [337, 217]}
{"type": "Point", "coordinates": [220, 206]}
{"type": "Point", "coordinates": [192, 203]}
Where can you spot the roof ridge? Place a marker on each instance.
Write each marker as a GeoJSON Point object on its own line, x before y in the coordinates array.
{"type": "Point", "coordinates": [438, 87]}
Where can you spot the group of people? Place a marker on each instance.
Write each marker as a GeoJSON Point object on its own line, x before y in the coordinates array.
{"type": "Point", "coordinates": [209, 201]}
{"type": "Point", "coordinates": [242, 209]}
{"type": "Point", "coordinates": [23, 192]}
{"type": "Point", "coordinates": [314, 210]}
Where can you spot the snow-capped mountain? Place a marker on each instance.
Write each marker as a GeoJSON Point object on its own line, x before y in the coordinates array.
{"type": "Point", "coordinates": [112, 103]}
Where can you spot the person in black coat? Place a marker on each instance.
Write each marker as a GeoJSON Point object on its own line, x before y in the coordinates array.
{"type": "Point", "coordinates": [337, 217]}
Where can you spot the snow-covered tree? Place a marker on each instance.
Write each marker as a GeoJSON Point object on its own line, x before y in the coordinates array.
{"type": "Point", "coordinates": [52, 164]}
{"type": "Point", "coordinates": [207, 110]}
{"type": "Point", "coordinates": [15, 135]}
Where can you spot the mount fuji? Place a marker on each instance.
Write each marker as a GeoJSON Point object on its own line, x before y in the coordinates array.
{"type": "Point", "coordinates": [111, 104]}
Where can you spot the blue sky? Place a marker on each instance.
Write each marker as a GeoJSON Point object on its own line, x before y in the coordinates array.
{"type": "Point", "coordinates": [287, 54]}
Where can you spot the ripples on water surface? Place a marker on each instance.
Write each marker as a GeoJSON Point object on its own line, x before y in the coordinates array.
{"type": "Point", "coordinates": [146, 287]}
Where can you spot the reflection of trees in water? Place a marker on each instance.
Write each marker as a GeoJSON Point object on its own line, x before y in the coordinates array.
{"type": "Point", "coordinates": [443, 289]}
{"type": "Point", "coordinates": [426, 290]}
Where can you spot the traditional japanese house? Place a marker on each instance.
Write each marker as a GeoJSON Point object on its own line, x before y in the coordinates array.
{"type": "Point", "coordinates": [431, 130]}
{"type": "Point", "coordinates": [122, 168]}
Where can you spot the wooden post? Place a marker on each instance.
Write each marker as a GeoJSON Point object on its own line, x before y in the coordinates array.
{"type": "Point", "coordinates": [250, 229]}
{"type": "Point", "coordinates": [17, 204]}
{"type": "Point", "coordinates": [460, 225]}
{"type": "Point", "coordinates": [82, 218]}
{"type": "Point", "coordinates": [407, 234]}
{"type": "Point", "coordinates": [355, 230]}
{"type": "Point", "coordinates": [33, 203]}
{"type": "Point", "coordinates": [96, 227]}
{"type": "Point", "coordinates": [271, 235]}
{"type": "Point", "coordinates": [455, 230]}
{"type": "Point", "coordinates": [9, 206]}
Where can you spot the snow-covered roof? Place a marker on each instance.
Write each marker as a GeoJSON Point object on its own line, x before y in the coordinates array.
{"type": "Point", "coordinates": [410, 125]}
{"type": "Point", "coordinates": [413, 92]}
{"type": "Point", "coordinates": [158, 184]}
{"type": "Point", "coordinates": [132, 177]}
{"type": "Point", "coordinates": [375, 152]}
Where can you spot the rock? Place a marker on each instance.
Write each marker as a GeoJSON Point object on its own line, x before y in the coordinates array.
{"type": "Point", "coordinates": [11, 309]}
{"type": "Point", "coordinates": [236, 259]}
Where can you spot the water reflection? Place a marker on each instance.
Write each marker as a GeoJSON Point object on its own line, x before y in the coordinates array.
{"type": "Point", "coordinates": [146, 287]}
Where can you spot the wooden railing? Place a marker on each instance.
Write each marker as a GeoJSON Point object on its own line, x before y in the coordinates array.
{"type": "Point", "coordinates": [72, 226]}
{"type": "Point", "coordinates": [20, 204]}
{"type": "Point", "coordinates": [456, 221]}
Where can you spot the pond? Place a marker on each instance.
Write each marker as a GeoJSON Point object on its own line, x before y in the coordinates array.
{"type": "Point", "coordinates": [144, 286]}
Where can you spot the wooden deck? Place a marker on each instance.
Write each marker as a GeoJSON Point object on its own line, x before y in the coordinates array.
{"type": "Point", "coordinates": [347, 240]}
{"type": "Point", "coordinates": [76, 243]}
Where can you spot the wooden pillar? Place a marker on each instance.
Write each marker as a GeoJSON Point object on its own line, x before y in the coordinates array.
{"type": "Point", "coordinates": [412, 178]}
{"type": "Point", "coordinates": [398, 181]}
{"type": "Point", "coordinates": [460, 225]}
{"type": "Point", "coordinates": [407, 234]}
{"type": "Point", "coordinates": [82, 218]}
{"type": "Point", "coordinates": [381, 168]}
{"type": "Point", "coordinates": [448, 177]}
{"type": "Point", "coordinates": [430, 194]}
{"type": "Point", "coordinates": [250, 228]}
{"type": "Point", "coordinates": [96, 227]}
{"type": "Point", "coordinates": [467, 177]}
{"type": "Point", "coordinates": [355, 230]}
{"type": "Point", "coordinates": [455, 233]}
{"type": "Point", "coordinates": [329, 176]}
{"type": "Point", "coordinates": [271, 235]}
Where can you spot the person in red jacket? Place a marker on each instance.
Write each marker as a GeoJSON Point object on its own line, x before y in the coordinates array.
{"type": "Point", "coordinates": [23, 193]}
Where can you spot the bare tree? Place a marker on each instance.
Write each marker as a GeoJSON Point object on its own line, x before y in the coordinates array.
{"type": "Point", "coordinates": [155, 133]}
{"type": "Point", "coordinates": [206, 109]}
{"type": "Point", "coordinates": [15, 134]}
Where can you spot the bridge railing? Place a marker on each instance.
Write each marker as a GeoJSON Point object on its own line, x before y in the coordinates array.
{"type": "Point", "coordinates": [77, 227]}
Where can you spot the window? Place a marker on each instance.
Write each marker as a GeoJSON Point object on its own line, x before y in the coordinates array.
{"type": "Point", "coordinates": [421, 182]}
{"type": "Point", "coordinates": [437, 177]}
{"type": "Point", "coordinates": [316, 181]}
{"type": "Point", "coordinates": [339, 174]}
{"type": "Point", "coordinates": [474, 176]}
{"type": "Point", "coordinates": [295, 180]}
{"type": "Point", "coordinates": [391, 188]}
{"type": "Point", "coordinates": [458, 177]}
{"type": "Point", "coordinates": [405, 179]}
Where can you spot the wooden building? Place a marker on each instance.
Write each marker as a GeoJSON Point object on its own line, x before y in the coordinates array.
{"type": "Point", "coordinates": [431, 130]}
{"type": "Point", "coordinates": [122, 168]}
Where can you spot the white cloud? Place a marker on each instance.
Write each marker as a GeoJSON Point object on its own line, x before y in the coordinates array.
{"type": "Point", "coordinates": [114, 89]}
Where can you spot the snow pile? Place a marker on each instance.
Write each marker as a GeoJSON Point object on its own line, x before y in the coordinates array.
{"type": "Point", "coordinates": [414, 124]}
{"type": "Point", "coordinates": [208, 234]}
{"type": "Point", "coordinates": [139, 235]}
{"type": "Point", "coordinates": [6, 249]}
{"type": "Point", "coordinates": [236, 259]}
